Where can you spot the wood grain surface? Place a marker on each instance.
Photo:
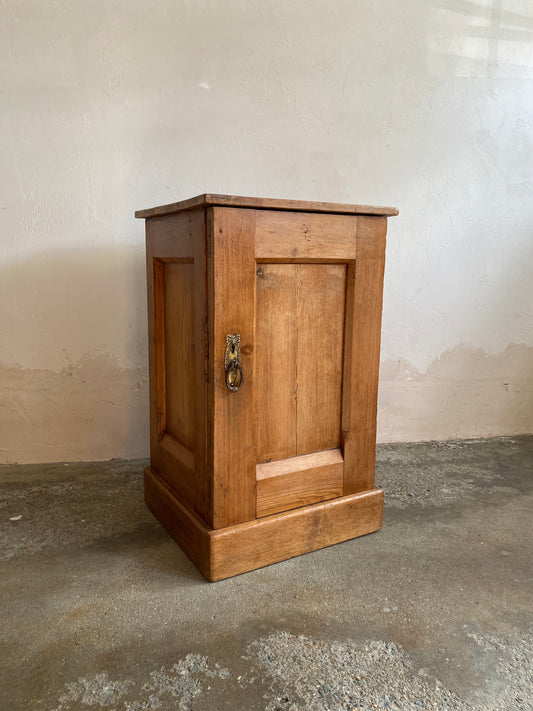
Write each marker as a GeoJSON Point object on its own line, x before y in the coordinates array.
{"type": "Point", "coordinates": [222, 553]}
{"type": "Point", "coordinates": [280, 536]}
{"type": "Point", "coordinates": [275, 372]}
{"type": "Point", "coordinates": [298, 363]}
{"type": "Point", "coordinates": [179, 351]}
{"type": "Point", "coordinates": [208, 199]}
{"type": "Point", "coordinates": [175, 247]}
{"type": "Point", "coordinates": [231, 284]}
{"type": "Point", "coordinates": [304, 237]}
{"type": "Point", "coordinates": [298, 481]}
{"type": "Point", "coordinates": [363, 337]}
{"type": "Point", "coordinates": [320, 306]}
{"type": "Point", "coordinates": [285, 465]}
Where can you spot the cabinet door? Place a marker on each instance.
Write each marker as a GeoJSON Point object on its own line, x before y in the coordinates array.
{"type": "Point", "coordinates": [304, 292]}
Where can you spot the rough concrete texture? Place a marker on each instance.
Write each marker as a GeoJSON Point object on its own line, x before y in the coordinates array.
{"type": "Point", "coordinates": [101, 610]}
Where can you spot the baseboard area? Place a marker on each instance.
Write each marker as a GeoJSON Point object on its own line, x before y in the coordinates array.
{"type": "Point", "coordinates": [225, 552]}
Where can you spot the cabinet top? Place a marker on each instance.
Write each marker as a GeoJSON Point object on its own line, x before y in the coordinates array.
{"type": "Point", "coordinates": [266, 204]}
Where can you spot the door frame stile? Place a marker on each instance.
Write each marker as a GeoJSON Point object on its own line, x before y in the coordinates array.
{"type": "Point", "coordinates": [231, 266]}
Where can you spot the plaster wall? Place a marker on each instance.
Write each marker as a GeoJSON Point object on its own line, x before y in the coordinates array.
{"type": "Point", "coordinates": [108, 107]}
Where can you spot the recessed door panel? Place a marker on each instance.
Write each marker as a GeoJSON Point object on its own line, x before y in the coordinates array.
{"type": "Point", "coordinates": [276, 358]}
{"type": "Point", "coordinates": [298, 362]}
{"type": "Point", "coordinates": [320, 307]}
{"type": "Point", "coordinates": [176, 318]}
{"type": "Point", "coordinates": [179, 351]}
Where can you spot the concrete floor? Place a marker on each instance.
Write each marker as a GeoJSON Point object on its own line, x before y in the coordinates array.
{"type": "Point", "coordinates": [101, 610]}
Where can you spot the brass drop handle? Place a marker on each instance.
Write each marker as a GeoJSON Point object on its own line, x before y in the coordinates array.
{"type": "Point", "coordinates": [232, 363]}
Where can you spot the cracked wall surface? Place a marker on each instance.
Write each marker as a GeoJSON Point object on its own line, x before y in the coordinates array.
{"type": "Point", "coordinates": [91, 410]}
{"type": "Point", "coordinates": [464, 393]}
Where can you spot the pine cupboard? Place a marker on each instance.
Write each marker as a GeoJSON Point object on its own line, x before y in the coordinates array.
{"type": "Point", "coordinates": [264, 333]}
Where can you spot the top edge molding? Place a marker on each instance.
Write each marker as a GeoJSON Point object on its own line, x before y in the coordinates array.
{"type": "Point", "coordinates": [208, 199]}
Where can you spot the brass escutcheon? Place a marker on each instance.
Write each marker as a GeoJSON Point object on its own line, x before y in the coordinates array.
{"type": "Point", "coordinates": [232, 363]}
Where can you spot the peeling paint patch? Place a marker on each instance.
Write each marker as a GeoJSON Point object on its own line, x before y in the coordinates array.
{"type": "Point", "coordinates": [96, 410]}
{"type": "Point", "coordinates": [464, 393]}
{"type": "Point", "coordinates": [98, 691]}
{"type": "Point", "coordinates": [168, 688]}
{"type": "Point", "coordinates": [91, 410]}
{"type": "Point", "coordinates": [316, 675]}
{"type": "Point", "coordinates": [310, 674]}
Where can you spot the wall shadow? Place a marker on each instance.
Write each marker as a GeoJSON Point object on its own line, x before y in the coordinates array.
{"type": "Point", "coordinates": [74, 371]}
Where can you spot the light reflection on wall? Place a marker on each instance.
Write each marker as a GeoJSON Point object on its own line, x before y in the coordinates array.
{"type": "Point", "coordinates": [481, 38]}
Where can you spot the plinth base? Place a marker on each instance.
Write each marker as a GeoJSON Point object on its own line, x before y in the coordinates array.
{"type": "Point", "coordinates": [225, 552]}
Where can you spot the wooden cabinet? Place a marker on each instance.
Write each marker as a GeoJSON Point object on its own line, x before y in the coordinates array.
{"type": "Point", "coordinates": [264, 328]}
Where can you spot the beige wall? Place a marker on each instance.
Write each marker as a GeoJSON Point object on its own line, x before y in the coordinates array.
{"type": "Point", "coordinates": [108, 107]}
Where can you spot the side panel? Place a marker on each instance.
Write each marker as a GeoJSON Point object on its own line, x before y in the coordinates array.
{"type": "Point", "coordinates": [177, 322]}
